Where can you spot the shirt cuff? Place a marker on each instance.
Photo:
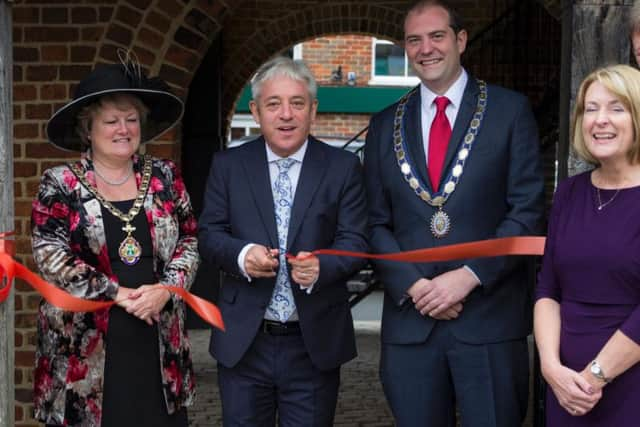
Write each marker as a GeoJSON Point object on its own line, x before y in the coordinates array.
{"type": "Point", "coordinates": [309, 288]}
{"type": "Point", "coordinates": [241, 256]}
{"type": "Point", "coordinates": [466, 267]}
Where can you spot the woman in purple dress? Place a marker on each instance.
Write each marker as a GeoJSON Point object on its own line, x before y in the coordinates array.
{"type": "Point", "coordinates": [587, 313]}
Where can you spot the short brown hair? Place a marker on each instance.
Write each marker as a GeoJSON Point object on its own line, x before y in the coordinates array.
{"type": "Point", "coordinates": [88, 112]}
{"type": "Point", "coordinates": [455, 19]}
{"type": "Point", "coordinates": [623, 81]}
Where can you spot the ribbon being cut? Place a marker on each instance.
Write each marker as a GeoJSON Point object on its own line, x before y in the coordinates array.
{"type": "Point", "coordinates": [523, 245]}
{"type": "Point", "coordinates": [10, 269]}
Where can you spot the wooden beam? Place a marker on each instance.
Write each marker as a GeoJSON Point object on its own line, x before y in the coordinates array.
{"type": "Point", "coordinates": [563, 152]}
{"type": "Point", "coordinates": [6, 213]}
{"type": "Point", "coordinates": [600, 37]}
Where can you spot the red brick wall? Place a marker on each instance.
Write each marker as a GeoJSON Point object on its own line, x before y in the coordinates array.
{"type": "Point", "coordinates": [339, 125]}
{"type": "Point", "coordinates": [351, 52]}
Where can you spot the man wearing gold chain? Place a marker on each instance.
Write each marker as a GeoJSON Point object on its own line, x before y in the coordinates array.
{"type": "Point", "coordinates": [456, 160]}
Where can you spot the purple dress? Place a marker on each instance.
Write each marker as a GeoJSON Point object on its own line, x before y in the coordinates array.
{"type": "Point", "coordinates": [591, 266]}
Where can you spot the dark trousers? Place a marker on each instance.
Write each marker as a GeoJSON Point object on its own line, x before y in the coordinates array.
{"type": "Point", "coordinates": [425, 382]}
{"type": "Point", "coordinates": [277, 376]}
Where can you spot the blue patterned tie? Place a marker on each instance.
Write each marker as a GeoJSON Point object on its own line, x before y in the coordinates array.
{"type": "Point", "coordinates": [282, 303]}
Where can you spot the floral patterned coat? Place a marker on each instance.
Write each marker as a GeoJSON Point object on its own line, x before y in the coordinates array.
{"type": "Point", "coordinates": [69, 248]}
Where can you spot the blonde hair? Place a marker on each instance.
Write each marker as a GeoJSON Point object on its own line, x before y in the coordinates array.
{"type": "Point", "coordinates": [623, 82]}
{"type": "Point", "coordinates": [88, 112]}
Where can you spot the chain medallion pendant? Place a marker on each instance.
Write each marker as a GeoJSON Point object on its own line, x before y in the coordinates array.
{"type": "Point", "coordinates": [130, 249]}
{"type": "Point", "coordinates": [440, 222]}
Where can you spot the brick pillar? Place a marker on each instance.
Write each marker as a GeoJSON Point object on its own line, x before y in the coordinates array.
{"type": "Point", "coordinates": [6, 213]}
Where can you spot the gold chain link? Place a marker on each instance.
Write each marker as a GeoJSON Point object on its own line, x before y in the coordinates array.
{"type": "Point", "coordinates": [138, 202]}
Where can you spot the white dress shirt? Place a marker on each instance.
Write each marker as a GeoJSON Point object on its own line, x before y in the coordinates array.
{"type": "Point", "coordinates": [294, 176]}
{"type": "Point", "coordinates": [428, 108]}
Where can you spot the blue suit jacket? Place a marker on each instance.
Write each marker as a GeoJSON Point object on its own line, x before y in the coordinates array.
{"type": "Point", "coordinates": [499, 194]}
{"type": "Point", "coordinates": [329, 211]}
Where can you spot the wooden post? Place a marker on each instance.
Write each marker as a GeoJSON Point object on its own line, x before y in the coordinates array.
{"type": "Point", "coordinates": [6, 213]}
{"type": "Point", "coordinates": [600, 37]}
{"type": "Point", "coordinates": [562, 153]}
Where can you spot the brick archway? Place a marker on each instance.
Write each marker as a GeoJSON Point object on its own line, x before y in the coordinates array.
{"type": "Point", "coordinates": [169, 39]}
{"type": "Point", "coordinates": [314, 21]}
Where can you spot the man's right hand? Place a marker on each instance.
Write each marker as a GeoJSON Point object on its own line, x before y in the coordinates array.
{"type": "Point", "coordinates": [261, 262]}
{"type": "Point", "coordinates": [422, 287]}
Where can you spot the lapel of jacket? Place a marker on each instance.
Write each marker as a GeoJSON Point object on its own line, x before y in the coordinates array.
{"type": "Point", "coordinates": [257, 173]}
{"type": "Point", "coordinates": [414, 138]}
{"type": "Point", "coordinates": [94, 227]}
{"type": "Point", "coordinates": [314, 167]}
{"type": "Point", "coordinates": [150, 199]}
{"type": "Point", "coordinates": [465, 114]}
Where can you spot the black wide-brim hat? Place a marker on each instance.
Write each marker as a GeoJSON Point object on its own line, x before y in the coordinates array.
{"type": "Point", "coordinates": [165, 109]}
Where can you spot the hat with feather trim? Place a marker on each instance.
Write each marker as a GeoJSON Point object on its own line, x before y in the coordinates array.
{"type": "Point", "coordinates": [165, 109]}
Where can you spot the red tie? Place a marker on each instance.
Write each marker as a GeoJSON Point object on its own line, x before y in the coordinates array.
{"type": "Point", "coordinates": [439, 136]}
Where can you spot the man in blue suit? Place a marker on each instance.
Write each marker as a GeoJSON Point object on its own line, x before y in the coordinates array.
{"type": "Point", "coordinates": [288, 321]}
{"type": "Point", "coordinates": [455, 161]}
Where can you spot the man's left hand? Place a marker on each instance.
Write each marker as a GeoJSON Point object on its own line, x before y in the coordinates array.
{"type": "Point", "coordinates": [445, 291]}
{"type": "Point", "coordinates": [305, 268]}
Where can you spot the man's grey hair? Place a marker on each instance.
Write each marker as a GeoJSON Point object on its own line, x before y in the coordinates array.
{"type": "Point", "coordinates": [281, 66]}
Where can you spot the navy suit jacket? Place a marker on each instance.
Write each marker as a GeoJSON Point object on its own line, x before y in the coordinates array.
{"type": "Point", "coordinates": [329, 211]}
{"type": "Point", "coordinates": [500, 194]}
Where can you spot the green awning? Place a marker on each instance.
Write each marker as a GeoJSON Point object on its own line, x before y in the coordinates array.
{"type": "Point", "coordinates": [344, 99]}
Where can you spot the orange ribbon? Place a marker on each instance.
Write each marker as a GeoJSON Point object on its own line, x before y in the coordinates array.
{"type": "Point", "coordinates": [523, 245]}
{"type": "Point", "coordinates": [526, 245]}
{"type": "Point", "coordinates": [11, 269]}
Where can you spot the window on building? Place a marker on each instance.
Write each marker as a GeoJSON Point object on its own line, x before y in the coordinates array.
{"type": "Point", "coordinates": [294, 52]}
{"type": "Point", "coordinates": [390, 65]}
{"type": "Point", "coordinates": [297, 51]}
{"type": "Point", "coordinates": [243, 129]}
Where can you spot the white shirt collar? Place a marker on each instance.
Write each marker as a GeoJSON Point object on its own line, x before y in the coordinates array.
{"type": "Point", "coordinates": [454, 93]}
{"type": "Point", "coordinates": [298, 155]}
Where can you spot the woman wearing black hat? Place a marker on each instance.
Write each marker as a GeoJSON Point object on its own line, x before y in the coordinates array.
{"type": "Point", "coordinates": [114, 225]}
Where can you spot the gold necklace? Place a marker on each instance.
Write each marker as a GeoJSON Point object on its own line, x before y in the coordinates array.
{"type": "Point", "coordinates": [130, 249]}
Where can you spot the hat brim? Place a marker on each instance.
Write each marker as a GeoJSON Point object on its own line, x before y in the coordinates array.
{"type": "Point", "coordinates": [165, 111]}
